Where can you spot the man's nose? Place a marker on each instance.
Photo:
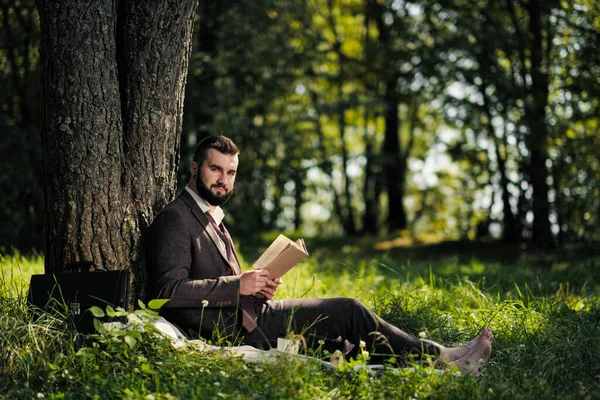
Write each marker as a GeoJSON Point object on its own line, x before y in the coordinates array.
{"type": "Point", "coordinates": [223, 178]}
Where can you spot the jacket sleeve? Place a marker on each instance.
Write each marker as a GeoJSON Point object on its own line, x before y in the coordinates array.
{"type": "Point", "coordinates": [172, 250]}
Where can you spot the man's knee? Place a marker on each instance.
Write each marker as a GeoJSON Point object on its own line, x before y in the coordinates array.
{"type": "Point", "coordinates": [352, 305]}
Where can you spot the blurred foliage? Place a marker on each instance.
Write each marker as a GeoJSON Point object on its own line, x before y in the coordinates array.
{"type": "Point", "coordinates": [340, 106]}
{"type": "Point", "coordinates": [21, 180]}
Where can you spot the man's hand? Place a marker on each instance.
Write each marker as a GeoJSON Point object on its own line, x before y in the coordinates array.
{"type": "Point", "coordinates": [269, 290]}
{"type": "Point", "coordinates": [257, 282]}
{"type": "Point", "coordinates": [252, 282]}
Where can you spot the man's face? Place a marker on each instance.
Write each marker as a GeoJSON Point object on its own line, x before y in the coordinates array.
{"type": "Point", "coordinates": [216, 176]}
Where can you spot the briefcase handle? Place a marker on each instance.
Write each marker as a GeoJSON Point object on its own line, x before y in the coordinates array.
{"type": "Point", "coordinates": [87, 265]}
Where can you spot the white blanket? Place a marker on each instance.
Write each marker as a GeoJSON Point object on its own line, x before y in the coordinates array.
{"type": "Point", "coordinates": [248, 353]}
{"type": "Point", "coordinates": [179, 341]}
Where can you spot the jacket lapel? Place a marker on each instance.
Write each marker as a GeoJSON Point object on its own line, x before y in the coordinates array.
{"type": "Point", "coordinates": [203, 219]}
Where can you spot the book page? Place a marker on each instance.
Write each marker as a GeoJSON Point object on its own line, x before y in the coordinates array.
{"type": "Point", "coordinates": [281, 256]}
{"type": "Point", "coordinates": [301, 244]}
{"type": "Point", "coordinates": [278, 246]}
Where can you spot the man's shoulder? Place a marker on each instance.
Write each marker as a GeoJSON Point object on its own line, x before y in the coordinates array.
{"type": "Point", "coordinates": [176, 206]}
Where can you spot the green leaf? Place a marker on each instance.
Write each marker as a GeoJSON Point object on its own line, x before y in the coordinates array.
{"type": "Point", "coordinates": [147, 368]}
{"type": "Point", "coordinates": [130, 340]}
{"type": "Point", "coordinates": [110, 311]}
{"type": "Point", "coordinates": [53, 367]}
{"type": "Point", "coordinates": [97, 312]}
{"type": "Point", "coordinates": [157, 303]}
{"type": "Point", "coordinates": [135, 334]}
{"type": "Point", "coordinates": [120, 312]}
{"type": "Point", "coordinates": [98, 326]}
{"type": "Point", "coordinates": [141, 304]}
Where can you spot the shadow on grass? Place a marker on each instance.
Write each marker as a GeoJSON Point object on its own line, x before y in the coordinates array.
{"type": "Point", "coordinates": [496, 267]}
{"type": "Point", "coordinates": [461, 251]}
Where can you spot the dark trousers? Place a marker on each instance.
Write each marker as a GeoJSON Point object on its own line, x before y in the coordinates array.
{"type": "Point", "coordinates": [333, 323]}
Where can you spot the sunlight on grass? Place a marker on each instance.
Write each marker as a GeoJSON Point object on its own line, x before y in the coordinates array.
{"type": "Point", "coordinates": [545, 322]}
{"type": "Point", "coordinates": [408, 241]}
{"type": "Point", "coordinates": [363, 281]}
{"type": "Point", "coordinates": [16, 271]}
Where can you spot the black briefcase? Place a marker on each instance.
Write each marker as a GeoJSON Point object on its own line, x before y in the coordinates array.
{"type": "Point", "coordinates": [70, 295]}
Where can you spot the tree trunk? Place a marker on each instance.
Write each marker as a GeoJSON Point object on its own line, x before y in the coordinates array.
{"type": "Point", "coordinates": [371, 184]}
{"type": "Point", "coordinates": [538, 130]}
{"type": "Point", "coordinates": [21, 207]}
{"type": "Point", "coordinates": [393, 165]}
{"type": "Point", "coordinates": [299, 188]}
{"type": "Point", "coordinates": [18, 33]}
{"type": "Point", "coordinates": [113, 80]}
{"type": "Point", "coordinates": [558, 203]}
{"type": "Point", "coordinates": [392, 162]}
{"type": "Point", "coordinates": [326, 166]}
{"type": "Point", "coordinates": [349, 225]}
{"type": "Point", "coordinates": [372, 174]}
{"type": "Point", "coordinates": [277, 194]}
{"type": "Point", "coordinates": [511, 230]}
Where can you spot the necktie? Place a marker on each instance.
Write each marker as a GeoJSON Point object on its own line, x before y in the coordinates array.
{"type": "Point", "coordinates": [247, 302]}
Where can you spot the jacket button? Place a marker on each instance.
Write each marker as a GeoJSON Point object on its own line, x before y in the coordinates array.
{"type": "Point", "coordinates": [229, 270]}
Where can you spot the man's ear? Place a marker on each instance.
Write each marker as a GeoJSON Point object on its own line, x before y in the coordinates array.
{"type": "Point", "coordinates": [193, 168]}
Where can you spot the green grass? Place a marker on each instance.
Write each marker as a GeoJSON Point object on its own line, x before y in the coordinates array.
{"type": "Point", "coordinates": [544, 309]}
{"type": "Point", "coordinates": [15, 272]}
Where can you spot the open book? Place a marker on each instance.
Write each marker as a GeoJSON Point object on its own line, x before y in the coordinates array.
{"type": "Point", "coordinates": [281, 256]}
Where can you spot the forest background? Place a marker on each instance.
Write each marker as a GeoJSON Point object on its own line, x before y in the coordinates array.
{"type": "Point", "coordinates": [430, 120]}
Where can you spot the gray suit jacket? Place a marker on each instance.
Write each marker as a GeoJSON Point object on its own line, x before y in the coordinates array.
{"type": "Point", "coordinates": [187, 265]}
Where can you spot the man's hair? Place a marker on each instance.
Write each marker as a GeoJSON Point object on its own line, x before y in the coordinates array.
{"type": "Point", "coordinates": [220, 143]}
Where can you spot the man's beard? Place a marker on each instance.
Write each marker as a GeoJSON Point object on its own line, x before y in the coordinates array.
{"type": "Point", "coordinates": [211, 198]}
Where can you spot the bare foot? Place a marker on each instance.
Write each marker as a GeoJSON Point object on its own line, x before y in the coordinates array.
{"type": "Point", "coordinates": [471, 357]}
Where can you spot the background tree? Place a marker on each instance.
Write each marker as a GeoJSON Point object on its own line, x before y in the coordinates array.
{"type": "Point", "coordinates": [22, 200]}
{"type": "Point", "coordinates": [243, 87]}
{"type": "Point", "coordinates": [416, 117]}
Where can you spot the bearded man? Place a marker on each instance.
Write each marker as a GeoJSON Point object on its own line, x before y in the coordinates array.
{"type": "Point", "coordinates": [191, 261]}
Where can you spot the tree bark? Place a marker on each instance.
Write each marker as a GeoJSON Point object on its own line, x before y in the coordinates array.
{"type": "Point", "coordinates": [326, 165]}
{"type": "Point", "coordinates": [538, 130]}
{"type": "Point", "coordinates": [347, 213]}
{"type": "Point", "coordinates": [299, 188]}
{"type": "Point", "coordinates": [392, 162]}
{"type": "Point", "coordinates": [511, 230]}
{"type": "Point", "coordinates": [557, 168]}
{"type": "Point", "coordinates": [113, 77]}
{"type": "Point", "coordinates": [393, 165]}
{"type": "Point", "coordinates": [372, 174]}
{"type": "Point", "coordinates": [371, 184]}
{"type": "Point", "coordinates": [349, 225]}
